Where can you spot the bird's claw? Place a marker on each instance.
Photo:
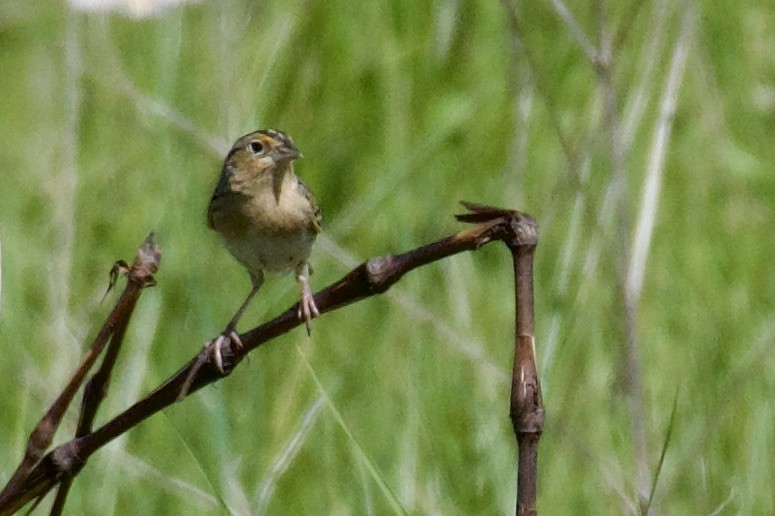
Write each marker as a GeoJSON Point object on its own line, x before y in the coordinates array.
{"type": "Point", "coordinates": [222, 340]}
{"type": "Point", "coordinates": [212, 349]}
{"type": "Point", "coordinates": [308, 310]}
{"type": "Point", "coordinates": [216, 353]}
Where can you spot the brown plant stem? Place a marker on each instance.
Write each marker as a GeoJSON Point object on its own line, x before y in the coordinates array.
{"type": "Point", "coordinates": [372, 277]}
{"type": "Point", "coordinates": [97, 387]}
{"type": "Point", "coordinates": [139, 275]}
{"type": "Point", "coordinates": [527, 409]}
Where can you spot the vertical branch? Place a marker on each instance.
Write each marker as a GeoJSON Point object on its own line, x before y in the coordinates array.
{"type": "Point", "coordinates": [527, 408]}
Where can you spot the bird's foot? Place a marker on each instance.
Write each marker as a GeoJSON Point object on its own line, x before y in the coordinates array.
{"type": "Point", "coordinates": [212, 350]}
{"type": "Point", "coordinates": [308, 310]}
{"type": "Point", "coordinates": [228, 336]}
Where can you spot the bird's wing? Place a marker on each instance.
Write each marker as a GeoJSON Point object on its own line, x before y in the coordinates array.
{"type": "Point", "coordinates": [221, 189]}
{"type": "Point", "coordinates": [316, 223]}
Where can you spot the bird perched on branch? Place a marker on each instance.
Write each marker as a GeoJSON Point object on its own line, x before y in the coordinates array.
{"type": "Point", "coordinates": [266, 217]}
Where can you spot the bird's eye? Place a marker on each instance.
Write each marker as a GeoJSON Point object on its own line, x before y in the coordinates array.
{"type": "Point", "coordinates": [256, 147]}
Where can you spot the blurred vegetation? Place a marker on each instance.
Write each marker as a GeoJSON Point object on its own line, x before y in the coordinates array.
{"type": "Point", "coordinates": [114, 126]}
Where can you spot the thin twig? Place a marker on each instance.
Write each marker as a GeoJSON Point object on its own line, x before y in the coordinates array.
{"type": "Point", "coordinates": [576, 163]}
{"type": "Point", "coordinates": [471, 349]}
{"type": "Point", "coordinates": [640, 249]}
{"type": "Point", "coordinates": [97, 387]}
{"type": "Point", "coordinates": [41, 437]}
{"type": "Point", "coordinates": [640, 246]}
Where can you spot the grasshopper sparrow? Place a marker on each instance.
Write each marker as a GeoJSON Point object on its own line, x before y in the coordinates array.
{"type": "Point", "coordinates": [266, 217]}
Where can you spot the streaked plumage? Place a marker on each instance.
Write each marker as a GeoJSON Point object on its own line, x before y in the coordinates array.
{"type": "Point", "coordinates": [266, 216]}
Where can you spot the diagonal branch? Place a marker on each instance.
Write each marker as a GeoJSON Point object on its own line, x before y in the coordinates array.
{"type": "Point", "coordinates": [375, 276]}
{"type": "Point", "coordinates": [140, 275]}
{"type": "Point", "coordinates": [146, 263]}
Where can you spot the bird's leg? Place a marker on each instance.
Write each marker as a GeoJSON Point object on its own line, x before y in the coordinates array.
{"type": "Point", "coordinates": [230, 333]}
{"type": "Point", "coordinates": [214, 347]}
{"type": "Point", "coordinates": [307, 307]}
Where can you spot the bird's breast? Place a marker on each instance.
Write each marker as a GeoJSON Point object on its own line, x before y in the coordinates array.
{"type": "Point", "coordinates": [266, 233]}
{"type": "Point", "coordinates": [261, 252]}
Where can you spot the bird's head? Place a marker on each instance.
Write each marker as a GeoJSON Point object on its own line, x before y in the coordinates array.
{"type": "Point", "coordinates": [263, 152]}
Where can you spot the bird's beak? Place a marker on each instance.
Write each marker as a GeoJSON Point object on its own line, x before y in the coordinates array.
{"type": "Point", "coordinates": [286, 152]}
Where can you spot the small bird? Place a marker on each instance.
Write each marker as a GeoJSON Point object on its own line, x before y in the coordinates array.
{"type": "Point", "coordinates": [266, 217]}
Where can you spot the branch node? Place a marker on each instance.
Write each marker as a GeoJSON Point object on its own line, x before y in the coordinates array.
{"type": "Point", "coordinates": [146, 263]}
{"type": "Point", "coordinates": [515, 228]}
{"type": "Point", "coordinates": [66, 460]}
{"type": "Point", "coordinates": [524, 229]}
{"type": "Point", "coordinates": [379, 271]}
{"type": "Point", "coordinates": [526, 410]}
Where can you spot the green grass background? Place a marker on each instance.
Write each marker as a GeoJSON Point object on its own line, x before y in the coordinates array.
{"type": "Point", "coordinates": [114, 126]}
